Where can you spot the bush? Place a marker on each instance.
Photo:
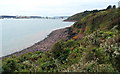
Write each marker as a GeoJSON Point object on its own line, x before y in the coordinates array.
{"type": "Point", "coordinates": [10, 65]}
{"type": "Point", "coordinates": [60, 51]}
{"type": "Point", "coordinates": [102, 56]}
{"type": "Point", "coordinates": [99, 68]}
{"type": "Point", "coordinates": [48, 66]}
{"type": "Point", "coordinates": [106, 68]}
{"type": "Point", "coordinates": [97, 54]}
{"type": "Point", "coordinates": [116, 61]}
{"type": "Point", "coordinates": [71, 43]}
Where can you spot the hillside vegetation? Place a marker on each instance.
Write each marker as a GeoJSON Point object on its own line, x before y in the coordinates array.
{"type": "Point", "coordinates": [94, 47]}
{"type": "Point", "coordinates": [78, 16]}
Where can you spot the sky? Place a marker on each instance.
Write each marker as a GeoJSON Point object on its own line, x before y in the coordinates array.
{"type": "Point", "coordinates": [51, 7]}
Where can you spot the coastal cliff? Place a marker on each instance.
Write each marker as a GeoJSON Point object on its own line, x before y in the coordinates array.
{"type": "Point", "coordinates": [92, 44]}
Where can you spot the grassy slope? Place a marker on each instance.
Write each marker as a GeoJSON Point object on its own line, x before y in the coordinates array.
{"type": "Point", "coordinates": [100, 41]}
{"type": "Point", "coordinates": [94, 48]}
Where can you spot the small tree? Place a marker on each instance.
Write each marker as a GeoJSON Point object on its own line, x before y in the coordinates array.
{"type": "Point", "coordinates": [109, 7]}
{"type": "Point", "coordinates": [114, 6]}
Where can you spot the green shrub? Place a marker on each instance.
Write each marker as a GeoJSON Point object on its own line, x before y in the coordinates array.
{"type": "Point", "coordinates": [99, 68]}
{"type": "Point", "coordinates": [58, 49]}
{"type": "Point", "coordinates": [102, 56]}
{"type": "Point", "coordinates": [10, 65]}
{"type": "Point", "coordinates": [106, 68]}
{"type": "Point", "coordinates": [71, 43]}
{"type": "Point", "coordinates": [48, 66]}
{"type": "Point", "coordinates": [91, 67]}
{"type": "Point", "coordinates": [59, 52]}
{"type": "Point", "coordinates": [116, 61]}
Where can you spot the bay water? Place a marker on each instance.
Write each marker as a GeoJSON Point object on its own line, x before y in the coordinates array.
{"type": "Point", "coordinates": [18, 34]}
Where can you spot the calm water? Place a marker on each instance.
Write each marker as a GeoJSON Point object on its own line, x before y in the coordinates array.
{"type": "Point", "coordinates": [18, 34]}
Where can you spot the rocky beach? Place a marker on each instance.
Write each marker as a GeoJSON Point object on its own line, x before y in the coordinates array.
{"type": "Point", "coordinates": [46, 43]}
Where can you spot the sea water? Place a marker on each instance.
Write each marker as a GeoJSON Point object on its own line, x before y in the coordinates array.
{"type": "Point", "coordinates": [18, 34]}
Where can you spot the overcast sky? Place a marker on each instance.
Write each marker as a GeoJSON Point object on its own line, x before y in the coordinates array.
{"type": "Point", "coordinates": [51, 7]}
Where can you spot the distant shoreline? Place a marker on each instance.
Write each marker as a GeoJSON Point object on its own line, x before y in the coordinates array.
{"type": "Point", "coordinates": [31, 17]}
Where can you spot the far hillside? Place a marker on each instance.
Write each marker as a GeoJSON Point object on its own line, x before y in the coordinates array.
{"type": "Point", "coordinates": [78, 16]}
